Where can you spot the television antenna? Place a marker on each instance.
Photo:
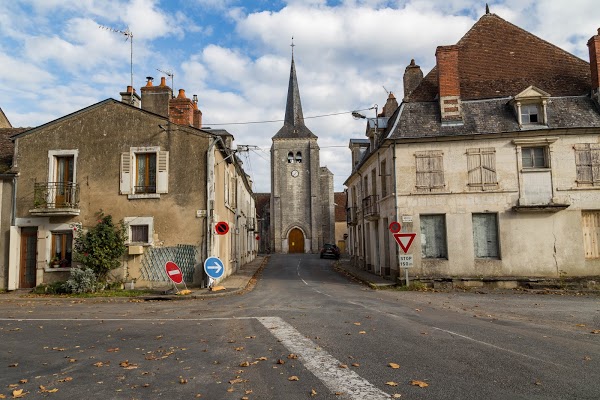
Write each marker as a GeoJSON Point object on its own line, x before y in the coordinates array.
{"type": "Point", "coordinates": [170, 74]}
{"type": "Point", "coordinates": [387, 91]}
{"type": "Point", "coordinates": [128, 36]}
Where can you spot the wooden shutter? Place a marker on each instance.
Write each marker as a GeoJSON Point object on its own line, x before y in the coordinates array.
{"type": "Point", "coordinates": [583, 163]}
{"type": "Point", "coordinates": [481, 167]}
{"type": "Point", "coordinates": [474, 167]}
{"type": "Point", "coordinates": [595, 161]}
{"type": "Point", "coordinates": [430, 169]}
{"type": "Point", "coordinates": [125, 184]}
{"type": "Point", "coordinates": [591, 233]}
{"type": "Point", "coordinates": [162, 175]}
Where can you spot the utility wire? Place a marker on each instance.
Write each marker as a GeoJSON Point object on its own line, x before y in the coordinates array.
{"type": "Point", "coordinates": [282, 120]}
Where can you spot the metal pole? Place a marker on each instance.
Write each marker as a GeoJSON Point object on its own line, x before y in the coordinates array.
{"type": "Point", "coordinates": [406, 276]}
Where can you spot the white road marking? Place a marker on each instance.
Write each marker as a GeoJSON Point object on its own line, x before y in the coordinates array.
{"type": "Point", "coordinates": [497, 347]}
{"type": "Point", "coordinates": [322, 364]}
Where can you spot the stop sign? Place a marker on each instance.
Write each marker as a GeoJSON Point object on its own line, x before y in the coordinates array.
{"type": "Point", "coordinates": [174, 272]}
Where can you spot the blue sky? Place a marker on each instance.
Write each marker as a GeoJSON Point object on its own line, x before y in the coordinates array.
{"type": "Point", "coordinates": [235, 55]}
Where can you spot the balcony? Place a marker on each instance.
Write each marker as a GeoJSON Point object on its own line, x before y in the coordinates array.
{"type": "Point", "coordinates": [370, 205]}
{"type": "Point", "coordinates": [352, 216]}
{"type": "Point", "coordinates": [55, 198]}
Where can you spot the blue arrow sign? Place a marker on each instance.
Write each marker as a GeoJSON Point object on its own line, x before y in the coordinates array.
{"type": "Point", "coordinates": [213, 267]}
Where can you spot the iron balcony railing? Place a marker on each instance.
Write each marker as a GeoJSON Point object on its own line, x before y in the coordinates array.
{"type": "Point", "coordinates": [370, 205]}
{"type": "Point", "coordinates": [56, 195]}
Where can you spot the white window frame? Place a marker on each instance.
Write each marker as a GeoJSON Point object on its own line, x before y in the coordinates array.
{"type": "Point", "coordinates": [128, 172]}
{"type": "Point", "coordinates": [136, 221]}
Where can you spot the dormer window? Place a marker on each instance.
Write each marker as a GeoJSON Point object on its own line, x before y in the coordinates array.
{"type": "Point", "coordinates": [530, 107]}
{"type": "Point", "coordinates": [530, 114]}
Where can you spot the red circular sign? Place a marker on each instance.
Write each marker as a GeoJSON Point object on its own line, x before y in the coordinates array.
{"type": "Point", "coordinates": [395, 227]}
{"type": "Point", "coordinates": [257, 237]}
{"type": "Point", "coordinates": [222, 228]}
{"type": "Point", "coordinates": [173, 272]}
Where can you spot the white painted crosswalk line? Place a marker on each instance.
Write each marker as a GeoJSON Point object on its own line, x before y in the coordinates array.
{"type": "Point", "coordinates": [322, 364]}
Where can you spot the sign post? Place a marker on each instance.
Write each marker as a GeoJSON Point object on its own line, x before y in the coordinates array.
{"type": "Point", "coordinates": [175, 275]}
{"type": "Point", "coordinates": [404, 240]}
{"type": "Point", "coordinates": [214, 268]}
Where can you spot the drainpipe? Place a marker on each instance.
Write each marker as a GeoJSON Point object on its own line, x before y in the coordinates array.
{"type": "Point", "coordinates": [362, 190]}
{"type": "Point", "coordinates": [395, 186]}
{"type": "Point", "coordinates": [210, 193]}
{"type": "Point", "coordinates": [13, 218]}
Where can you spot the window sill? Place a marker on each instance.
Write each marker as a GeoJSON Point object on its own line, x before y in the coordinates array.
{"type": "Point", "coordinates": [538, 169]}
{"type": "Point", "coordinates": [578, 188]}
{"type": "Point", "coordinates": [60, 269]}
{"type": "Point", "coordinates": [143, 196]}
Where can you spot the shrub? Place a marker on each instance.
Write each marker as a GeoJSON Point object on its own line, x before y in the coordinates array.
{"type": "Point", "coordinates": [51, 288]}
{"type": "Point", "coordinates": [101, 247]}
{"type": "Point", "coordinates": [82, 280]}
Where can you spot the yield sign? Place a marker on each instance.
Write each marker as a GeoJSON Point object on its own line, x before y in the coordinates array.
{"type": "Point", "coordinates": [404, 240]}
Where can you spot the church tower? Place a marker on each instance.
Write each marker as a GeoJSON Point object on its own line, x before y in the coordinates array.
{"type": "Point", "coordinates": [299, 221]}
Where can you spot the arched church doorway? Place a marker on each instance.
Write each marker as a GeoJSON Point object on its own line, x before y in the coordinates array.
{"type": "Point", "coordinates": [296, 241]}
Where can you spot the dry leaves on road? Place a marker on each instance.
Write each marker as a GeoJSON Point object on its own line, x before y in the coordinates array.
{"type": "Point", "coordinates": [293, 356]}
{"type": "Point", "coordinates": [313, 392]}
{"type": "Point", "coordinates": [391, 383]}
{"type": "Point", "coordinates": [293, 378]}
{"type": "Point", "coordinates": [394, 365]}
{"type": "Point", "coordinates": [420, 384]}
{"type": "Point", "coordinates": [44, 390]}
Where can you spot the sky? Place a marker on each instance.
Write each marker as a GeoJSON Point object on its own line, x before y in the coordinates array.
{"type": "Point", "coordinates": [235, 55]}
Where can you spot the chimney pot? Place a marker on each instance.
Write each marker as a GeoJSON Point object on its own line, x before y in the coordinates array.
{"type": "Point", "coordinates": [412, 78]}
{"type": "Point", "coordinates": [181, 94]}
{"type": "Point", "coordinates": [163, 81]}
{"type": "Point", "coordinates": [150, 79]}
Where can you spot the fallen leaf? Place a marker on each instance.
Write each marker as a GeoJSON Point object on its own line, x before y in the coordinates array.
{"type": "Point", "coordinates": [236, 380]}
{"type": "Point", "coordinates": [596, 331]}
{"type": "Point", "coordinates": [313, 392]}
{"type": "Point", "coordinates": [280, 361]}
{"type": "Point", "coordinates": [420, 384]}
{"type": "Point", "coordinates": [362, 332]}
{"type": "Point", "coordinates": [23, 381]}
{"type": "Point", "coordinates": [394, 365]}
{"type": "Point", "coordinates": [580, 325]}
{"type": "Point", "coordinates": [339, 393]}
{"type": "Point", "coordinates": [343, 366]}
{"type": "Point", "coordinates": [357, 323]}
{"type": "Point", "coordinates": [396, 396]}
{"type": "Point", "coordinates": [292, 356]}
{"type": "Point", "coordinates": [13, 365]}
{"type": "Point", "coordinates": [391, 383]}
{"type": "Point", "coordinates": [239, 348]}
{"type": "Point", "coordinates": [355, 364]}
{"type": "Point", "coordinates": [2, 396]}
{"type": "Point", "coordinates": [293, 378]}
{"type": "Point", "coordinates": [230, 389]}
{"type": "Point", "coordinates": [262, 359]}
{"type": "Point", "coordinates": [18, 393]}
{"type": "Point", "coordinates": [72, 360]}
{"type": "Point", "coordinates": [248, 391]}
{"type": "Point", "coordinates": [538, 382]}
{"type": "Point", "coordinates": [245, 398]}
{"type": "Point", "coordinates": [245, 364]}
{"type": "Point", "coordinates": [183, 381]}
{"type": "Point", "coordinates": [250, 337]}
{"type": "Point", "coordinates": [198, 395]}
{"type": "Point", "coordinates": [113, 350]}
{"type": "Point", "coordinates": [587, 358]}
{"type": "Point", "coordinates": [67, 379]}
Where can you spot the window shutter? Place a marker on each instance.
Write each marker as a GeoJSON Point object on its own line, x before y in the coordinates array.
{"type": "Point", "coordinates": [162, 175]}
{"type": "Point", "coordinates": [595, 161]}
{"type": "Point", "coordinates": [125, 184]}
{"type": "Point", "coordinates": [437, 170]}
{"type": "Point", "coordinates": [474, 166]}
{"type": "Point", "coordinates": [488, 167]}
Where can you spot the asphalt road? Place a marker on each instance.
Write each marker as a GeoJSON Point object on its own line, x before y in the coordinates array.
{"type": "Point", "coordinates": [305, 331]}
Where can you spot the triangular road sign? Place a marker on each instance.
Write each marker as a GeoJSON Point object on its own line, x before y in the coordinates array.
{"type": "Point", "coordinates": [404, 240]}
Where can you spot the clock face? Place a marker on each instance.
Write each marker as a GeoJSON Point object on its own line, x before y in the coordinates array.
{"type": "Point", "coordinates": [295, 173]}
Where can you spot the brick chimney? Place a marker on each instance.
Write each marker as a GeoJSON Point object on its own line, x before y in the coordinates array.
{"type": "Point", "coordinates": [594, 46]}
{"type": "Point", "coordinates": [181, 110]}
{"type": "Point", "coordinates": [449, 83]}
{"type": "Point", "coordinates": [156, 98]}
{"type": "Point", "coordinates": [130, 97]}
{"type": "Point", "coordinates": [197, 113]}
{"type": "Point", "coordinates": [412, 78]}
{"type": "Point", "coordinates": [390, 106]}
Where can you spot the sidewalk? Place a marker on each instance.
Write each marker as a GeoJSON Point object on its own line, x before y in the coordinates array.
{"type": "Point", "coordinates": [366, 277]}
{"type": "Point", "coordinates": [233, 284]}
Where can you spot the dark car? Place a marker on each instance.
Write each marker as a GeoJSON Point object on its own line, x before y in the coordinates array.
{"type": "Point", "coordinates": [330, 250]}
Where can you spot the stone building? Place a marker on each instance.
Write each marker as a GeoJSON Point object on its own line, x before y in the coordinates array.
{"type": "Point", "coordinates": [492, 161]}
{"type": "Point", "coordinates": [302, 204]}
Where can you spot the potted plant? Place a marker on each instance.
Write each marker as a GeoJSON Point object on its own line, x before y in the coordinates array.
{"type": "Point", "coordinates": [54, 262]}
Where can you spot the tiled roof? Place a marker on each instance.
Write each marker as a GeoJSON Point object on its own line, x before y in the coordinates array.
{"type": "Point", "coordinates": [491, 116]}
{"type": "Point", "coordinates": [499, 59]}
{"type": "Point", "coordinates": [339, 199]}
{"type": "Point", "coordinates": [7, 147]}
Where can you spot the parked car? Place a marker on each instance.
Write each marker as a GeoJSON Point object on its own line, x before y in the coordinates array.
{"type": "Point", "coordinates": [330, 250]}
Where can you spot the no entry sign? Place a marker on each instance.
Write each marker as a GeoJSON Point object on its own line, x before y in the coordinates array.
{"type": "Point", "coordinates": [221, 228]}
{"type": "Point", "coordinates": [173, 272]}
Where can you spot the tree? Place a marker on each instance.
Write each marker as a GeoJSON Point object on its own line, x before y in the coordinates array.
{"type": "Point", "coordinates": [101, 247]}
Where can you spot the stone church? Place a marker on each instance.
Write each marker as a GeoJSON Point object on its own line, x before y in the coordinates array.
{"type": "Point", "coordinates": [302, 202]}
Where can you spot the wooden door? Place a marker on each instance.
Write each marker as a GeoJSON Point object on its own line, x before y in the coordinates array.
{"type": "Point", "coordinates": [28, 257]}
{"type": "Point", "coordinates": [296, 241]}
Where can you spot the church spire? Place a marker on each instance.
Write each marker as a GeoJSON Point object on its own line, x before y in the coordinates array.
{"type": "Point", "coordinates": [293, 125]}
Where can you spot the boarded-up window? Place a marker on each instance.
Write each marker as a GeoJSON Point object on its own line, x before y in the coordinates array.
{"type": "Point", "coordinates": [430, 170]}
{"type": "Point", "coordinates": [485, 235]}
{"type": "Point", "coordinates": [587, 162]}
{"type": "Point", "coordinates": [481, 165]}
{"type": "Point", "coordinates": [433, 236]}
{"type": "Point", "coordinates": [591, 233]}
